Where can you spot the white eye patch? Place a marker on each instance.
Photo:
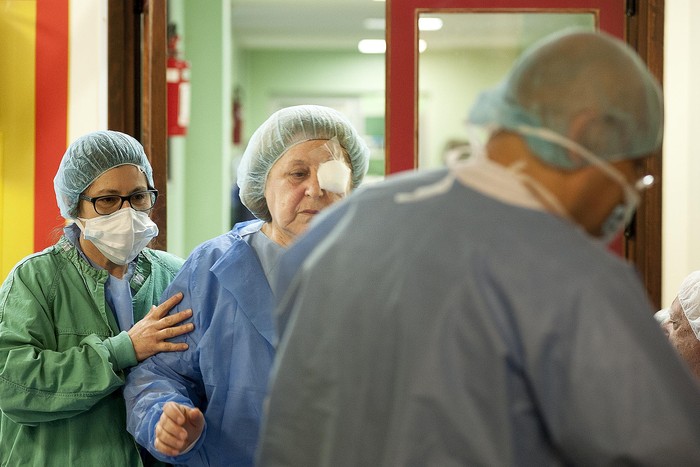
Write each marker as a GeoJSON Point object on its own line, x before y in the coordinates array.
{"type": "Point", "coordinates": [333, 176]}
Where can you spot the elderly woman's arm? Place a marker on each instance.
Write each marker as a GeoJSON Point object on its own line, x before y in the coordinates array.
{"type": "Point", "coordinates": [150, 335]}
{"type": "Point", "coordinates": [168, 378]}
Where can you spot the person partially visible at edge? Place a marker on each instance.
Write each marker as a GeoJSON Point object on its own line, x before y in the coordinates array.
{"type": "Point", "coordinates": [472, 315]}
{"type": "Point", "coordinates": [681, 322]}
{"type": "Point", "coordinates": [76, 316]}
{"type": "Point", "coordinates": [203, 407]}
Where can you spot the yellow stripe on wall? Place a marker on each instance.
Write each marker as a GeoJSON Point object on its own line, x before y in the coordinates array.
{"type": "Point", "coordinates": [3, 272]}
{"type": "Point", "coordinates": [17, 117]}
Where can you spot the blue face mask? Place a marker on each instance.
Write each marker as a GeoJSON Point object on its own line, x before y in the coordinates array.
{"type": "Point", "coordinates": [622, 213]}
{"type": "Point", "coordinates": [614, 223]}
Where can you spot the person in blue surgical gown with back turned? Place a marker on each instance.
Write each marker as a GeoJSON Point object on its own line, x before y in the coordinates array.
{"type": "Point", "coordinates": [299, 162]}
{"type": "Point", "coordinates": [472, 315]}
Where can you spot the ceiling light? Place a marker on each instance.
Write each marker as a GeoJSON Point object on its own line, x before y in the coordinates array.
{"type": "Point", "coordinates": [429, 24]}
{"type": "Point", "coordinates": [424, 24]}
{"type": "Point", "coordinates": [378, 46]}
{"type": "Point", "coordinates": [372, 46]}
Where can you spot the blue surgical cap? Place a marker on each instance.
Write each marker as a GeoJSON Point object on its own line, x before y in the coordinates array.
{"type": "Point", "coordinates": [284, 129]}
{"type": "Point", "coordinates": [586, 86]}
{"type": "Point", "coordinates": [90, 156]}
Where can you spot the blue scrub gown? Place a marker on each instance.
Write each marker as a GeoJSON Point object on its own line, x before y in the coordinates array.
{"type": "Point", "coordinates": [225, 370]}
{"type": "Point", "coordinates": [459, 330]}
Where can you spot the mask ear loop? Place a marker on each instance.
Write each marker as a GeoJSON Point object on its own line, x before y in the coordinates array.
{"type": "Point", "coordinates": [591, 158]}
{"type": "Point", "coordinates": [477, 134]}
{"type": "Point", "coordinates": [631, 193]}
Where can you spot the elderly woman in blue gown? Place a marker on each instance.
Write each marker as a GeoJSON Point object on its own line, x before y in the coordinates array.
{"type": "Point", "coordinates": [204, 407]}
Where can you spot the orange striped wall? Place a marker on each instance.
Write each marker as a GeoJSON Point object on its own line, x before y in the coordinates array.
{"type": "Point", "coordinates": [51, 114]}
{"type": "Point", "coordinates": [33, 122]}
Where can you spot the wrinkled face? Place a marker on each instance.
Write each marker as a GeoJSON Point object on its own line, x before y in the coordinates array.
{"type": "Point", "coordinates": [683, 338]}
{"type": "Point", "coordinates": [292, 192]}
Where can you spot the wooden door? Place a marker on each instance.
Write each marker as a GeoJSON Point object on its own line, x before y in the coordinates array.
{"type": "Point", "coordinates": [137, 89]}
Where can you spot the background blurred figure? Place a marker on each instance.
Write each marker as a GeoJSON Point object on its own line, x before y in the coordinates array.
{"type": "Point", "coordinates": [67, 314]}
{"type": "Point", "coordinates": [239, 213]}
{"type": "Point", "coordinates": [681, 321]}
{"type": "Point", "coordinates": [472, 315]}
{"type": "Point", "coordinates": [300, 161]}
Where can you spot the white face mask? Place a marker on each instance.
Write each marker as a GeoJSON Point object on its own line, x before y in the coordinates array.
{"type": "Point", "coordinates": [622, 213]}
{"type": "Point", "coordinates": [120, 236]}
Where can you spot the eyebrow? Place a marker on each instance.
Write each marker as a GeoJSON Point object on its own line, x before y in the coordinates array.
{"type": "Point", "coordinates": [112, 191]}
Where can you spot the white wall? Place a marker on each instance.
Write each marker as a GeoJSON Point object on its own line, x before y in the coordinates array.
{"type": "Point", "coordinates": [681, 165]}
{"type": "Point", "coordinates": [87, 78]}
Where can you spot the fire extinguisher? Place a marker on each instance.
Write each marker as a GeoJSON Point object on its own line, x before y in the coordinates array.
{"type": "Point", "coordinates": [178, 80]}
{"type": "Point", "coordinates": [237, 116]}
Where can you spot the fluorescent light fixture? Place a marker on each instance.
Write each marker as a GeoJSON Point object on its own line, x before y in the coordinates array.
{"type": "Point", "coordinates": [429, 24]}
{"type": "Point", "coordinates": [424, 24]}
{"type": "Point", "coordinates": [374, 24]}
{"type": "Point", "coordinates": [378, 46]}
{"type": "Point", "coordinates": [372, 46]}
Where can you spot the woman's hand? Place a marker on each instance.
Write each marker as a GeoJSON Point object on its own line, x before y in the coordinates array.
{"type": "Point", "coordinates": [149, 334]}
{"type": "Point", "coordinates": [178, 428]}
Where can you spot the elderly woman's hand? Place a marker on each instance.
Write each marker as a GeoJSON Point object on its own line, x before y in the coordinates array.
{"type": "Point", "coordinates": [149, 334]}
{"type": "Point", "coordinates": [178, 428]}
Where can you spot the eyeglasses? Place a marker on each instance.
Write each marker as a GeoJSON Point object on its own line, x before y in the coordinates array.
{"type": "Point", "coordinates": [139, 201]}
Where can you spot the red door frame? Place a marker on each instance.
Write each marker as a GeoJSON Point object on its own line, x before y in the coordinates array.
{"type": "Point", "coordinates": [402, 51]}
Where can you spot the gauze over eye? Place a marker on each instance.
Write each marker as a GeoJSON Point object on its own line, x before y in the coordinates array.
{"type": "Point", "coordinates": [334, 175]}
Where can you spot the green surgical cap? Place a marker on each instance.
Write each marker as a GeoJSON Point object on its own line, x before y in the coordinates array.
{"type": "Point", "coordinates": [586, 86]}
{"type": "Point", "coordinates": [89, 157]}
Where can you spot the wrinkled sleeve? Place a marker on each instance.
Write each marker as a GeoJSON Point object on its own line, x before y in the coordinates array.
{"type": "Point", "coordinates": [167, 376]}
{"type": "Point", "coordinates": [39, 384]}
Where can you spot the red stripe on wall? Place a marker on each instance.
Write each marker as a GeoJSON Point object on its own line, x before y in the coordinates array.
{"type": "Point", "coordinates": [51, 113]}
